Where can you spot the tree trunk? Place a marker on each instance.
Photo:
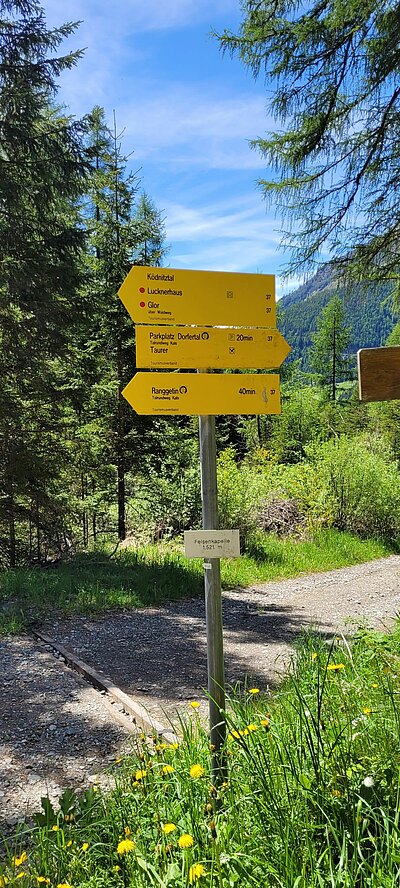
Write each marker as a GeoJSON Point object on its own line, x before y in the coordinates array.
{"type": "Point", "coordinates": [38, 550]}
{"type": "Point", "coordinates": [12, 542]}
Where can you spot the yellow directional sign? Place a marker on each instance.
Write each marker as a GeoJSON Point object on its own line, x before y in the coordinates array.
{"type": "Point", "coordinates": [179, 394]}
{"type": "Point", "coordinates": [203, 347]}
{"type": "Point", "coordinates": [176, 296]}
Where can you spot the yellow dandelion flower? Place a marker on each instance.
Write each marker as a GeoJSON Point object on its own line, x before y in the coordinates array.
{"type": "Point", "coordinates": [233, 735]}
{"type": "Point", "coordinates": [194, 704]}
{"type": "Point", "coordinates": [69, 843]}
{"type": "Point", "coordinates": [3, 881]}
{"type": "Point", "coordinates": [64, 885]}
{"type": "Point", "coordinates": [332, 667]}
{"type": "Point", "coordinates": [18, 861]}
{"type": "Point", "coordinates": [169, 828]}
{"type": "Point", "coordinates": [42, 880]}
{"type": "Point", "coordinates": [375, 684]}
{"type": "Point", "coordinates": [196, 771]}
{"type": "Point", "coordinates": [116, 868]}
{"type": "Point", "coordinates": [167, 769]}
{"type": "Point", "coordinates": [55, 828]}
{"type": "Point", "coordinates": [21, 875]}
{"type": "Point", "coordinates": [314, 656]}
{"type": "Point", "coordinates": [140, 774]}
{"type": "Point", "coordinates": [252, 727]}
{"type": "Point", "coordinates": [185, 841]}
{"type": "Point", "coordinates": [264, 722]}
{"type": "Point", "coordinates": [195, 872]}
{"type": "Point", "coordinates": [367, 710]}
{"type": "Point", "coordinates": [125, 846]}
{"type": "Point", "coordinates": [173, 745]}
{"type": "Point", "coordinates": [85, 846]}
{"type": "Point", "coordinates": [95, 788]}
{"type": "Point", "coordinates": [244, 733]}
{"type": "Point", "coordinates": [254, 691]}
{"type": "Point", "coordinates": [336, 793]}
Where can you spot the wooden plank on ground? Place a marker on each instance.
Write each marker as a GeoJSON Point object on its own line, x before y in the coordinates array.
{"type": "Point", "coordinates": [139, 714]}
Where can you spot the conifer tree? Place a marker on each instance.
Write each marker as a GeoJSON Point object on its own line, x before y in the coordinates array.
{"type": "Point", "coordinates": [41, 176]}
{"type": "Point", "coordinates": [327, 353]}
{"type": "Point", "coordinates": [122, 232]}
{"type": "Point", "coordinates": [331, 69]}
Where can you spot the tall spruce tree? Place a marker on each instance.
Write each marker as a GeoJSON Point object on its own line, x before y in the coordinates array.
{"type": "Point", "coordinates": [41, 176]}
{"type": "Point", "coordinates": [122, 232]}
{"type": "Point", "coordinates": [327, 353]}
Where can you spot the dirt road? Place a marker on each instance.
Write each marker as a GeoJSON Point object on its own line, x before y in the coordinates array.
{"type": "Point", "coordinates": [54, 729]}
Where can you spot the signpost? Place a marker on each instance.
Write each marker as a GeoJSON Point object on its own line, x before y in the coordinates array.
{"type": "Point", "coordinates": [206, 347]}
{"type": "Point", "coordinates": [188, 394]}
{"type": "Point", "coordinates": [379, 373]}
{"type": "Point", "coordinates": [162, 299]}
{"type": "Point", "coordinates": [176, 296]}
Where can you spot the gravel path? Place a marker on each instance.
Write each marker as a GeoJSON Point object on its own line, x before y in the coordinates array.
{"type": "Point", "coordinates": [54, 728]}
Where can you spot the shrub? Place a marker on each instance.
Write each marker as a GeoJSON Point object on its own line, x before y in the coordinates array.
{"type": "Point", "coordinates": [360, 485]}
{"type": "Point", "coordinates": [241, 490]}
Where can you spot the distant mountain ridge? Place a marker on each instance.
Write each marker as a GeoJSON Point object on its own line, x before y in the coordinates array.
{"type": "Point", "coordinates": [367, 307]}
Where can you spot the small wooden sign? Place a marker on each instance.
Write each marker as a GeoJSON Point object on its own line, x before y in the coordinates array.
{"type": "Point", "coordinates": [379, 373]}
{"type": "Point", "coordinates": [212, 543]}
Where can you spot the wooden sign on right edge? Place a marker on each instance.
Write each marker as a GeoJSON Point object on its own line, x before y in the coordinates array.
{"type": "Point", "coordinates": [379, 373]}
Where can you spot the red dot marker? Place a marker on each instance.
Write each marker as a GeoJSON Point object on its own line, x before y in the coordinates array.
{"type": "Point", "coordinates": [142, 290]}
{"type": "Point", "coordinates": [142, 304]}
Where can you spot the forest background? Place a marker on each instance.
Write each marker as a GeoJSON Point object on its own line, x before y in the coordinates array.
{"type": "Point", "coordinates": [77, 465]}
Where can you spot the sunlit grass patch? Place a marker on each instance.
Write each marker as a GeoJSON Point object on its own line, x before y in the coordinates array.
{"type": "Point", "coordinates": [138, 577]}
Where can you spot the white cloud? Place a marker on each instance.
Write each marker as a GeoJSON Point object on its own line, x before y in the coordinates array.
{"type": "Point", "coordinates": [239, 218]}
{"type": "Point", "coordinates": [134, 16]}
{"type": "Point", "coordinates": [214, 132]}
{"type": "Point", "coordinates": [232, 235]}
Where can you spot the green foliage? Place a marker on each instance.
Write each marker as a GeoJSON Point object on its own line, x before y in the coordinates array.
{"type": "Point", "coordinates": [241, 489]}
{"type": "Point", "coordinates": [329, 342]}
{"type": "Point", "coordinates": [331, 69]}
{"type": "Point", "coordinates": [303, 420]}
{"type": "Point", "coordinates": [359, 485]}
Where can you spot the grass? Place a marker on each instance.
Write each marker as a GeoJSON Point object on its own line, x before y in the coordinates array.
{"type": "Point", "coordinates": [311, 797]}
{"type": "Point", "coordinates": [95, 583]}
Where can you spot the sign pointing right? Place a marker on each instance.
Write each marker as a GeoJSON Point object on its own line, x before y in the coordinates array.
{"type": "Point", "coordinates": [214, 347]}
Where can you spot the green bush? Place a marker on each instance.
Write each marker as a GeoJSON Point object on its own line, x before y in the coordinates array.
{"type": "Point", "coordinates": [241, 491]}
{"type": "Point", "coordinates": [165, 506]}
{"type": "Point", "coordinates": [357, 485]}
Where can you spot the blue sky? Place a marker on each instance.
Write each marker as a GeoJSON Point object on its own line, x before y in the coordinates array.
{"type": "Point", "coordinates": [188, 113]}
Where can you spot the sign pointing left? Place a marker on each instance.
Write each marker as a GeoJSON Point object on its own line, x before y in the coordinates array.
{"type": "Point", "coordinates": [188, 394]}
{"type": "Point", "coordinates": [180, 296]}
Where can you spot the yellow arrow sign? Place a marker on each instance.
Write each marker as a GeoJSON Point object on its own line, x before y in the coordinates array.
{"type": "Point", "coordinates": [183, 394]}
{"type": "Point", "coordinates": [176, 296]}
{"type": "Point", "coordinates": [205, 347]}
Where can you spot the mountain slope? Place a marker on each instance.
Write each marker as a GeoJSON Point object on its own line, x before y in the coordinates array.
{"type": "Point", "coordinates": [368, 312]}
